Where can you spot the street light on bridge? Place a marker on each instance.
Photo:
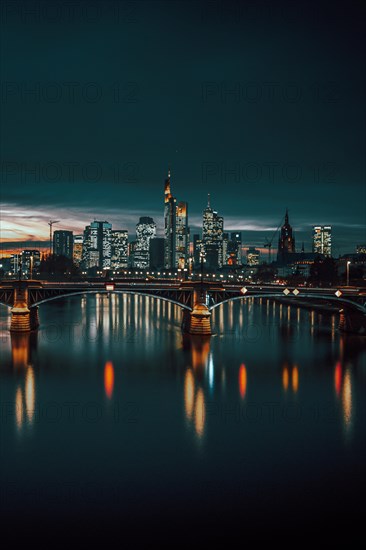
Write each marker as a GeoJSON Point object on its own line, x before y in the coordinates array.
{"type": "Point", "coordinates": [348, 264]}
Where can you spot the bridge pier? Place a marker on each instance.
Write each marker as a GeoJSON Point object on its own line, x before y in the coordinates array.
{"type": "Point", "coordinates": [353, 322]}
{"type": "Point", "coordinates": [198, 321]}
{"type": "Point", "coordinates": [20, 313]}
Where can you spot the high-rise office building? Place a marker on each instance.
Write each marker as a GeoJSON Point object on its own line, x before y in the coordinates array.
{"type": "Point", "coordinates": [156, 253]}
{"type": "Point", "coordinates": [253, 256]}
{"type": "Point", "coordinates": [197, 249]}
{"type": "Point", "coordinates": [31, 260]}
{"type": "Point", "coordinates": [169, 226]}
{"type": "Point", "coordinates": [131, 253]}
{"type": "Point", "coordinates": [63, 243]}
{"type": "Point", "coordinates": [322, 240]}
{"type": "Point", "coordinates": [286, 241]}
{"type": "Point", "coordinates": [176, 230]}
{"type": "Point", "coordinates": [225, 242]}
{"type": "Point", "coordinates": [78, 249]}
{"type": "Point", "coordinates": [236, 240]}
{"type": "Point", "coordinates": [361, 249]}
{"type": "Point", "coordinates": [212, 237]}
{"type": "Point", "coordinates": [145, 230]}
{"type": "Point", "coordinates": [181, 235]}
{"type": "Point", "coordinates": [97, 245]}
{"type": "Point", "coordinates": [119, 249]}
{"type": "Point", "coordinates": [106, 245]}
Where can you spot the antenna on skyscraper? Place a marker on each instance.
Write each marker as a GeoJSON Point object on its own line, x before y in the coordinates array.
{"type": "Point", "coordinates": [208, 200]}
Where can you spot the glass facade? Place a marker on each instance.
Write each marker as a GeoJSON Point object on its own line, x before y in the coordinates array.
{"type": "Point", "coordinates": [322, 240]}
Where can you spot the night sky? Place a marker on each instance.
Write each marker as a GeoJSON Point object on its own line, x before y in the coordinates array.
{"type": "Point", "coordinates": [260, 104]}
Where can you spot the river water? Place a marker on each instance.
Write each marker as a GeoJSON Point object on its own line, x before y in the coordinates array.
{"type": "Point", "coordinates": [109, 414]}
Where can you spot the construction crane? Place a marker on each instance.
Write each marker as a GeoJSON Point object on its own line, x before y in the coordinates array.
{"type": "Point", "coordinates": [50, 223]}
{"type": "Point", "coordinates": [268, 243]}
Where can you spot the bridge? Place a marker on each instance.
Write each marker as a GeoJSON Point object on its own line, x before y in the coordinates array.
{"type": "Point", "coordinates": [197, 299]}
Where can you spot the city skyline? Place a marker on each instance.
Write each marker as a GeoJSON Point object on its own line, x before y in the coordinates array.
{"type": "Point", "coordinates": [255, 232]}
{"type": "Point", "coordinates": [260, 123]}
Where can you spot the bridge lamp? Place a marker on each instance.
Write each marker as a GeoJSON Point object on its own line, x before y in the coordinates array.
{"type": "Point", "coordinates": [348, 264]}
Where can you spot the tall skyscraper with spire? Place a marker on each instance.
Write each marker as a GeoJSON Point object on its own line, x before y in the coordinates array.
{"type": "Point", "coordinates": [169, 226]}
{"type": "Point", "coordinates": [286, 241]}
{"type": "Point", "coordinates": [176, 230]}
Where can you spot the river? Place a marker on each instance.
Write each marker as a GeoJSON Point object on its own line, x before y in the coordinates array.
{"type": "Point", "coordinates": [109, 412]}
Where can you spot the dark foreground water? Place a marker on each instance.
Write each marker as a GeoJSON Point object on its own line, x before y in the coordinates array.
{"type": "Point", "coordinates": [111, 420]}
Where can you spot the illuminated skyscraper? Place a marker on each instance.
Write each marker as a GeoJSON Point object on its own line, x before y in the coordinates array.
{"type": "Point", "coordinates": [236, 240]}
{"type": "Point", "coordinates": [119, 249]}
{"type": "Point", "coordinates": [181, 235]}
{"type": "Point", "coordinates": [212, 236]}
{"type": "Point", "coordinates": [169, 226]}
{"type": "Point", "coordinates": [322, 239]}
{"type": "Point", "coordinates": [197, 248]}
{"type": "Point", "coordinates": [63, 243]}
{"type": "Point", "coordinates": [225, 242]}
{"type": "Point", "coordinates": [286, 242]}
{"type": "Point", "coordinates": [31, 260]}
{"type": "Point", "coordinates": [97, 245]}
{"type": "Point", "coordinates": [253, 256]}
{"type": "Point", "coordinates": [78, 249]}
{"type": "Point", "coordinates": [145, 230]}
{"type": "Point", "coordinates": [176, 230]}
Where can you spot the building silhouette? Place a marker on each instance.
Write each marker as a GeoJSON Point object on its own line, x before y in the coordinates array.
{"type": "Point", "coordinates": [286, 242]}
{"type": "Point", "coordinates": [63, 243]}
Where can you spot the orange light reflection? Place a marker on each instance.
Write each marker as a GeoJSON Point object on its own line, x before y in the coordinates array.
{"type": "Point", "coordinates": [242, 380]}
{"type": "Point", "coordinates": [108, 379]}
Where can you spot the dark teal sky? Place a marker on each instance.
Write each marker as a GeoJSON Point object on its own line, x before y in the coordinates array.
{"type": "Point", "coordinates": [275, 92]}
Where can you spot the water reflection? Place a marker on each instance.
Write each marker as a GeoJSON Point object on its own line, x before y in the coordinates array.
{"type": "Point", "coordinates": [338, 378]}
{"type": "Point", "coordinates": [343, 390]}
{"type": "Point", "coordinates": [347, 400]}
{"type": "Point", "coordinates": [293, 372]}
{"type": "Point", "coordinates": [199, 413]}
{"type": "Point", "coordinates": [295, 379]}
{"type": "Point", "coordinates": [285, 378]}
{"type": "Point", "coordinates": [242, 380]}
{"type": "Point", "coordinates": [201, 364]}
{"type": "Point", "coordinates": [189, 393]}
{"type": "Point", "coordinates": [108, 379]}
{"type": "Point", "coordinates": [22, 348]}
{"type": "Point", "coordinates": [144, 330]}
